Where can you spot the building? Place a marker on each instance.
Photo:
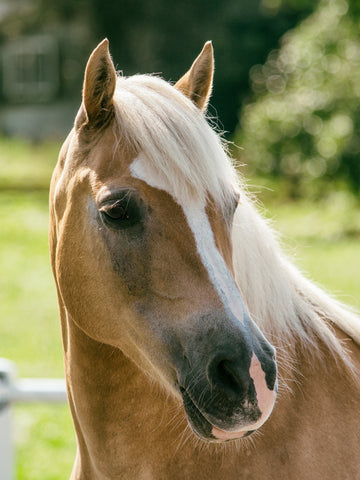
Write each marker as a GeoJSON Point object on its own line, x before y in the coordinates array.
{"type": "Point", "coordinates": [41, 71]}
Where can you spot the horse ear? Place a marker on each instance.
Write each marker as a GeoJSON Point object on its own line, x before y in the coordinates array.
{"type": "Point", "coordinates": [197, 82]}
{"type": "Point", "coordinates": [99, 85]}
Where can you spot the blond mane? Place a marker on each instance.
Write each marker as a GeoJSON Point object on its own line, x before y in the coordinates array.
{"type": "Point", "coordinates": [282, 301]}
{"type": "Point", "coordinates": [191, 157]}
{"type": "Point", "coordinates": [184, 150]}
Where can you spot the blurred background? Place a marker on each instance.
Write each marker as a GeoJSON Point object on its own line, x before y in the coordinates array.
{"type": "Point", "coordinates": [286, 94]}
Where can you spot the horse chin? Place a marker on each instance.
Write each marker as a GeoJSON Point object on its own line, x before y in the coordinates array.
{"type": "Point", "coordinates": [224, 436]}
{"type": "Point", "coordinates": [203, 428]}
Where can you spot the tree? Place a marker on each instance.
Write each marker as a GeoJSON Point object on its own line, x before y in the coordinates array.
{"type": "Point", "coordinates": [305, 120]}
{"type": "Point", "coordinates": [163, 36]}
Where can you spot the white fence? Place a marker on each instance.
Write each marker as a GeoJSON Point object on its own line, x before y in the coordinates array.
{"type": "Point", "coordinates": [12, 391]}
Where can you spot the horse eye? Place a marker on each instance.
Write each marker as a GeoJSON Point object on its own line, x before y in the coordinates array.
{"type": "Point", "coordinates": [121, 213]}
{"type": "Point", "coordinates": [117, 211]}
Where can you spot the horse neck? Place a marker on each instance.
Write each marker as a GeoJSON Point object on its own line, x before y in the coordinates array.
{"type": "Point", "coordinates": [128, 428]}
{"type": "Point", "coordinates": [113, 403]}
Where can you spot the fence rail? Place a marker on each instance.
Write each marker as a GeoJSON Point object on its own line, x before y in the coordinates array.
{"type": "Point", "coordinates": [13, 390]}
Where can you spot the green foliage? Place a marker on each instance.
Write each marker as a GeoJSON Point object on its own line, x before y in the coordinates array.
{"type": "Point", "coordinates": [305, 122]}
{"type": "Point", "coordinates": [163, 36]}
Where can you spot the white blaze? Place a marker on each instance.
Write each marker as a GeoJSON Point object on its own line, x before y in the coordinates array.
{"type": "Point", "coordinates": [200, 226]}
{"type": "Point", "coordinates": [195, 213]}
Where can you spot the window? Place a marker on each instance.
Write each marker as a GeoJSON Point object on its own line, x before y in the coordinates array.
{"type": "Point", "coordinates": [31, 69]}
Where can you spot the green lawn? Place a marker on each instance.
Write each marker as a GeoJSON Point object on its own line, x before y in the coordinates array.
{"type": "Point", "coordinates": [324, 238]}
{"type": "Point", "coordinates": [26, 166]}
{"type": "Point", "coordinates": [30, 334]}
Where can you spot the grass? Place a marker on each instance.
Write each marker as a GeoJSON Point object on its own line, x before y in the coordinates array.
{"type": "Point", "coordinates": [45, 443]}
{"type": "Point", "coordinates": [29, 324]}
{"type": "Point", "coordinates": [30, 334]}
{"type": "Point", "coordinates": [26, 166]}
{"type": "Point", "coordinates": [27, 293]}
{"type": "Point", "coordinates": [324, 237]}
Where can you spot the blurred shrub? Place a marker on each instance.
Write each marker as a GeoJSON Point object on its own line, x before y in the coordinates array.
{"type": "Point", "coordinates": [163, 36]}
{"type": "Point", "coordinates": [305, 121]}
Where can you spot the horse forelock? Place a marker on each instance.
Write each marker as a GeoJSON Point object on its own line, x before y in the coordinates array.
{"type": "Point", "coordinates": [187, 155]}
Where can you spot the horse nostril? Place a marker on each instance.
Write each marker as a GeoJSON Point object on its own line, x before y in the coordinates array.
{"type": "Point", "coordinates": [229, 376]}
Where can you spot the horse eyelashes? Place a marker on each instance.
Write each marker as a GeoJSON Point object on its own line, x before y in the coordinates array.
{"type": "Point", "coordinates": [117, 212]}
{"type": "Point", "coordinates": [121, 213]}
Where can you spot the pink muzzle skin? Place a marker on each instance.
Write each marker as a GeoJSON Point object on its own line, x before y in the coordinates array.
{"type": "Point", "coordinates": [265, 399]}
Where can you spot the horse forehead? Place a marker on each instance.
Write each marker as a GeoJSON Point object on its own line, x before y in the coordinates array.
{"type": "Point", "coordinates": [142, 169]}
{"type": "Point", "coordinates": [195, 212]}
{"type": "Point", "coordinates": [195, 209]}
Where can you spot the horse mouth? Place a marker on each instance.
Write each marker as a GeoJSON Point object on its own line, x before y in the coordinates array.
{"type": "Point", "coordinates": [202, 427]}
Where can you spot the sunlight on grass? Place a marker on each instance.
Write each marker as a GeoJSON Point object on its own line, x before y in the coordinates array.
{"type": "Point", "coordinates": [45, 442]}
{"type": "Point", "coordinates": [30, 332]}
{"type": "Point", "coordinates": [26, 166]}
{"type": "Point", "coordinates": [323, 239]}
{"type": "Point", "coordinates": [335, 266]}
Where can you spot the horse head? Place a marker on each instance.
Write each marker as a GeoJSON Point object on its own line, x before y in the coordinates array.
{"type": "Point", "coordinates": [143, 203]}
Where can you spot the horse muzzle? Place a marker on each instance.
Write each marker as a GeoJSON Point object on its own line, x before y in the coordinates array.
{"type": "Point", "coordinates": [233, 397]}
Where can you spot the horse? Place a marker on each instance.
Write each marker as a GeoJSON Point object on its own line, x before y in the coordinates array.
{"type": "Point", "coordinates": [193, 347]}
